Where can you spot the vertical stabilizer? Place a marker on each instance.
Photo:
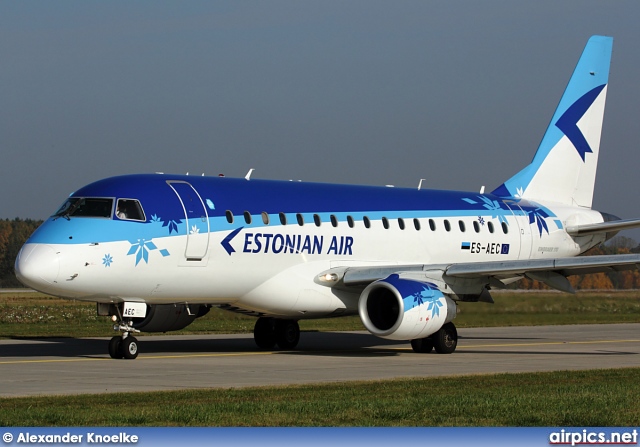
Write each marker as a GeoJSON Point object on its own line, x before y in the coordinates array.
{"type": "Point", "coordinates": [564, 167]}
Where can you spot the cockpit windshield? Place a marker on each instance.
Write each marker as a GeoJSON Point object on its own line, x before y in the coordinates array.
{"type": "Point", "coordinates": [85, 207]}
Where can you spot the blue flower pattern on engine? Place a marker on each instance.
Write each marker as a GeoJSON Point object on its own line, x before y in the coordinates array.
{"type": "Point", "coordinates": [428, 295]}
{"type": "Point", "coordinates": [415, 294]}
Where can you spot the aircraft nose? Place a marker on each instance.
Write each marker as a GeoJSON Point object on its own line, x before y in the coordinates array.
{"type": "Point", "coordinates": [37, 266]}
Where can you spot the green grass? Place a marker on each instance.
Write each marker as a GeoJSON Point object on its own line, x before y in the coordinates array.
{"type": "Point", "coordinates": [540, 308]}
{"type": "Point", "coordinates": [38, 315]}
{"type": "Point", "coordinates": [585, 398]}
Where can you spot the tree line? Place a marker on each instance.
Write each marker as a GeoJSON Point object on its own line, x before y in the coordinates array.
{"type": "Point", "coordinates": [624, 280]}
{"type": "Point", "coordinates": [14, 233]}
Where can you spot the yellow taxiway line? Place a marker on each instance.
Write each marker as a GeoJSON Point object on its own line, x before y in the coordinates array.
{"type": "Point", "coordinates": [240, 354]}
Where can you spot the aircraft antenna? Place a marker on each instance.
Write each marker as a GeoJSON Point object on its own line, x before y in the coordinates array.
{"type": "Point", "coordinates": [248, 176]}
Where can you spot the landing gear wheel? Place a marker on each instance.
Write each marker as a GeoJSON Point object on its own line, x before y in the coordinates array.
{"type": "Point", "coordinates": [264, 333]}
{"type": "Point", "coordinates": [114, 348]}
{"type": "Point", "coordinates": [129, 348]}
{"type": "Point", "coordinates": [124, 346]}
{"type": "Point", "coordinates": [287, 334]}
{"type": "Point", "coordinates": [422, 345]}
{"type": "Point", "coordinates": [446, 339]}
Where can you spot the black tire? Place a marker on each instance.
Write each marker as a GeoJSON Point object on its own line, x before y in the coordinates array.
{"type": "Point", "coordinates": [114, 348]}
{"type": "Point", "coordinates": [287, 334]}
{"type": "Point", "coordinates": [422, 345]}
{"type": "Point", "coordinates": [446, 339]}
{"type": "Point", "coordinates": [129, 348]}
{"type": "Point", "coordinates": [264, 333]}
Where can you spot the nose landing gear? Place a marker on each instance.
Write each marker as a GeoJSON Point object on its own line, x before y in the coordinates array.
{"type": "Point", "coordinates": [121, 347]}
{"type": "Point", "coordinates": [126, 345]}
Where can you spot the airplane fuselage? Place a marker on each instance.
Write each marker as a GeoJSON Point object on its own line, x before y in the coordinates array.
{"type": "Point", "coordinates": [258, 245]}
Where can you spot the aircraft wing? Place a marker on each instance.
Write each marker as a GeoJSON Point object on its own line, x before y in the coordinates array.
{"type": "Point", "coordinates": [564, 266]}
{"type": "Point", "coordinates": [552, 272]}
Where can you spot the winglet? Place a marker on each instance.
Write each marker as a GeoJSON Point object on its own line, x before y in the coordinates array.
{"type": "Point", "coordinates": [564, 167]}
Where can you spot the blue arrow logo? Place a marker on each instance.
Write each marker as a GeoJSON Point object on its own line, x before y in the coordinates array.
{"type": "Point", "coordinates": [568, 122]}
{"type": "Point", "coordinates": [226, 242]}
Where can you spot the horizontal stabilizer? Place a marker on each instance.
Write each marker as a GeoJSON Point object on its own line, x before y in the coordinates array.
{"type": "Point", "coordinates": [603, 227]}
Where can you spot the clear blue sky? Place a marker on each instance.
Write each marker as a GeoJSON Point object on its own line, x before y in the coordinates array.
{"type": "Point", "coordinates": [372, 92]}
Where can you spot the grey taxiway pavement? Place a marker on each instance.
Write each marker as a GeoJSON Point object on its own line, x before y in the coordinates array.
{"type": "Point", "coordinates": [75, 366]}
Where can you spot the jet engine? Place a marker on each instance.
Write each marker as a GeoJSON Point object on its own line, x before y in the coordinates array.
{"type": "Point", "coordinates": [169, 317]}
{"type": "Point", "coordinates": [404, 309]}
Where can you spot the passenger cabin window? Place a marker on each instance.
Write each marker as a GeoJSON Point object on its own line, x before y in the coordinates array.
{"type": "Point", "coordinates": [432, 224]}
{"type": "Point", "coordinates": [229, 215]}
{"type": "Point", "coordinates": [247, 217]}
{"type": "Point", "coordinates": [447, 225]}
{"type": "Point", "coordinates": [300, 219]}
{"type": "Point", "coordinates": [350, 222]}
{"type": "Point", "coordinates": [265, 218]}
{"type": "Point", "coordinates": [461, 225]}
{"type": "Point", "coordinates": [367, 222]}
{"type": "Point", "coordinates": [505, 228]}
{"type": "Point", "coordinates": [385, 223]}
{"type": "Point", "coordinates": [490, 226]}
{"type": "Point", "coordinates": [416, 223]}
{"type": "Point", "coordinates": [85, 207]}
{"type": "Point", "coordinates": [401, 223]}
{"type": "Point", "coordinates": [283, 218]}
{"type": "Point", "coordinates": [334, 221]}
{"type": "Point", "coordinates": [476, 226]}
{"type": "Point", "coordinates": [129, 209]}
{"type": "Point", "coordinates": [317, 220]}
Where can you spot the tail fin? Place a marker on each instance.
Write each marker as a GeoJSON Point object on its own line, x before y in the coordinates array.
{"type": "Point", "coordinates": [564, 167]}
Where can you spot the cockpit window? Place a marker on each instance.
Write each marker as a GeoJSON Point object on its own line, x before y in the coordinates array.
{"type": "Point", "coordinates": [130, 209]}
{"type": "Point", "coordinates": [85, 207]}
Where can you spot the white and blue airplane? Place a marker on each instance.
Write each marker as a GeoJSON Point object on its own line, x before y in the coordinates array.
{"type": "Point", "coordinates": [157, 251]}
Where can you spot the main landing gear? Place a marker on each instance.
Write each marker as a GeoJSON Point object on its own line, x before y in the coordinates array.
{"type": "Point", "coordinates": [269, 332]}
{"type": "Point", "coordinates": [126, 345]}
{"type": "Point", "coordinates": [444, 341]}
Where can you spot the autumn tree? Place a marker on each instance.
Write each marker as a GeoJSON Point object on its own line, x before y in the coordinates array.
{"type": "Point", "coordinates": [13, 235]}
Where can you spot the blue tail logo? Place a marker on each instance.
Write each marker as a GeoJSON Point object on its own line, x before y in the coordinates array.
{"type": "Point", "coordinates": [568, 122]}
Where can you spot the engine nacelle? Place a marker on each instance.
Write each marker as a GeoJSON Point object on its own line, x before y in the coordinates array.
{"type": "Point", "coordinates": [404, 309]}
{"type": "Point", "coordinates": [169, 317]}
